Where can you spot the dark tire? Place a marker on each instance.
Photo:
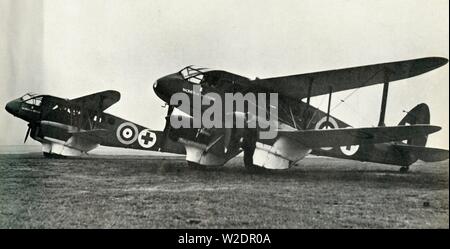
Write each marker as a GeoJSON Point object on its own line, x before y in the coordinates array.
{"type": "Point", "coordinates": [253, 168]}
{"type": "Point", "coordinates": [250, 167]}
{"type": "Point", "coordinates": [193, 165]}
{"type": "Point", "coordinates": [53, 156]}
{"type": "Point", "coordinates": [404, 169]}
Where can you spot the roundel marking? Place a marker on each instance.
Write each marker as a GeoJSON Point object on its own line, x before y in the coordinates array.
{"type": "Point", "coordinates": [127, 133]}
{"type": "Point", "coordinates": [146, 138]}
{"type": "Point", "coordinates": [349, 150]}
{"type": "Point", "coordinates": [323, 124]}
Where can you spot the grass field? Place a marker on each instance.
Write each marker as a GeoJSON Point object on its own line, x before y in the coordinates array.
{"type": "Point", "coordinates": [154, 192]}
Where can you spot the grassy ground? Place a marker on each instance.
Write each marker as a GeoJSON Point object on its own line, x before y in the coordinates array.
{"type": "Point", "coordinates": [143, 192]}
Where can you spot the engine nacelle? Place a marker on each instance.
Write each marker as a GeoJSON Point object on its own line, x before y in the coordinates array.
{"type": "Point", "coordinates": [284, 153]}
{"type": "Point", "coordinates": [74, 146]}
{"type": "Point", "coordinates": [197, 153]}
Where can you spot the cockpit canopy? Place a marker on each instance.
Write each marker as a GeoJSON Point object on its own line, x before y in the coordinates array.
{"type": "Point", "coordinates": [193, 74]}
{"type": "Point", "coordinates": [32, 99]}
{"type": "Point", "coordinates": [210, 77]}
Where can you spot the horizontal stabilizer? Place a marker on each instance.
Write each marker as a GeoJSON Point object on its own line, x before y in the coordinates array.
{"type": "Point", "coordinates": [356, 136]}
{"type": "Point", "coordinates": [423, 153]}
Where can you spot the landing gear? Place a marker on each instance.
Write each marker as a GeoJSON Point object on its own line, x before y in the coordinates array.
{"type": "Point", "coordinates": [404, 169]}
{"type": "Point", "coordinates": [251, 168]}
{"type": "Point", "coordinates": [249, 146]}
{"type": "Point", "coordinates": [53, 156]}
{"type": "Point", "coordinates": [193, 165]}
{"type": "Point", "coordinates": [197, 166]}
{"type": "Point", "coordinates": [248, 162]}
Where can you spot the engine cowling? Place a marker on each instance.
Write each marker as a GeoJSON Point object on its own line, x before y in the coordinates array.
{"type": "Point", "coordinates": [283, 153]}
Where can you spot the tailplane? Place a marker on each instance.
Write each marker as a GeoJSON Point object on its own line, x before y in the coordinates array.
{"type": "Point", "coordinates": [415, 147]}
{"type": "Point", "coordinates": [418, 115]}
{"type": "Point", "coordinates": [423, 153]}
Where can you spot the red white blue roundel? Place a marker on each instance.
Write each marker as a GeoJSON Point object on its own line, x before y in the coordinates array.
{"type": "Point", "coordinates": [127, 133]}
{"type": "Point", "coordinates": [323, 124]}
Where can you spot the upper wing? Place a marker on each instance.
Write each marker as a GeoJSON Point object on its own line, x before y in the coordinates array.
{"type": "Point", "coordinates": [355, 136]}
{"type": "Point", "coordinates": [297, 86]}
{"type": "Point", "coordinates": [98, 101]}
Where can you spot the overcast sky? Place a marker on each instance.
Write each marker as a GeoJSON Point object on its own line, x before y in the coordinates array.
{"type": "Point", "coordinates": [72, 48]}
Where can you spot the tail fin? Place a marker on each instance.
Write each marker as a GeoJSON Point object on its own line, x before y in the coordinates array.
{"type": "Point", "coordinates": [418, 115]}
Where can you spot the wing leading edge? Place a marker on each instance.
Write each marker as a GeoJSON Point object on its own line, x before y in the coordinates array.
{"type": "Point", "coordinates": [297, 86]}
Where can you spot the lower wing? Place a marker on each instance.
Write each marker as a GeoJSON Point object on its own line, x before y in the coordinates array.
{"type": "Point", "coordinates": [356, 136]}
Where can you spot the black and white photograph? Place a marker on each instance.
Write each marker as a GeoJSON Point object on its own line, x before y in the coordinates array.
{"type": "Point", "coordinates": [170, 114]}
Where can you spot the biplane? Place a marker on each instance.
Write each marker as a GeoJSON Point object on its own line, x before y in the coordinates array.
{"type": "Point", "coordinates": [73, 127]}
{"type": "Point", "coordinates": [302, 128]}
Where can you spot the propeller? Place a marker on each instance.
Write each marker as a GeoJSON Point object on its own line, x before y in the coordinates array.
{"type": "Point", "coordinates": [27, 134]}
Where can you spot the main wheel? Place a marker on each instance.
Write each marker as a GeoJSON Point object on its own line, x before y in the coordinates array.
{"type": "Point", "coordinates": [53, 156]}
{"type": "Point", "coordinates": [194, 165]}
{"type": "Point", "coordinates": [404, 169]}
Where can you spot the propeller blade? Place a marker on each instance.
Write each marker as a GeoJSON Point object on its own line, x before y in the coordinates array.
{"type": "Point", "coordinates": [27, 134]}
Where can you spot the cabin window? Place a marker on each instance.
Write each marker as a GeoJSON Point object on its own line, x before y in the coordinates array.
{"type": "Point", "coordinates": [197, 79]}
{"type": "Point", "coordinates": [33, 101]}
{"type": "Point", "coordinates": [192, 74]}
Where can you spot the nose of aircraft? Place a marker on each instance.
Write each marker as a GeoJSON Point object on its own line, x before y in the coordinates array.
{"type": "Point", "coordinates": [165, 87]}
{"type": "Point", "coordinates": [13, 107]}
{"type": "Point", "coordinates": [158, 88]}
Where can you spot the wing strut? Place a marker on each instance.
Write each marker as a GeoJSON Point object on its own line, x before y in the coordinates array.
{"type": "Point", "coordinates": [384, 98]}
{"type": "Point", "coordinates": [329, 105]}
{"type": "Point", "coordinates": [307, 103]}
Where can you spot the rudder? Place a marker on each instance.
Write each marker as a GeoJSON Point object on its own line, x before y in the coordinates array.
{"type": "Point", "coordinates": [420, 114]}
